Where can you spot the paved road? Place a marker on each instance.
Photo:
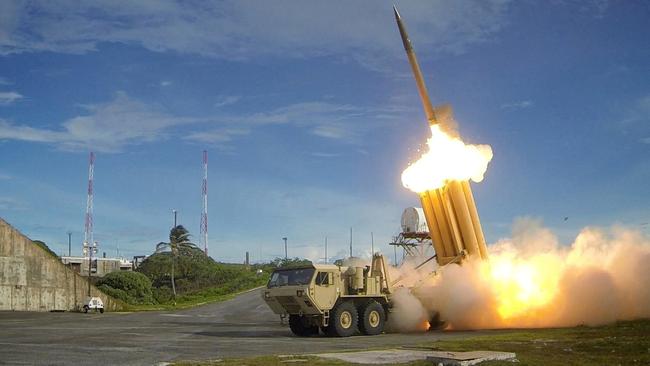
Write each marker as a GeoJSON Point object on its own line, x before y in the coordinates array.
{"type": "Point", "coordinates": [240, 327]}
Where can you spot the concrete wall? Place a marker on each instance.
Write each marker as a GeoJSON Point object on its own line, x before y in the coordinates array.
{"type": "Point", "coordinates": [33, 280]}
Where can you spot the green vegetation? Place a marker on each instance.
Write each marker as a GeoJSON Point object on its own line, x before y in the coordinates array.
{"type": "Point", "coordinates": [45, 248]}
{"type": "Point", "coordinates": [622, 343]}
{"type": "Point", "coordinates": [179, 243]}
{"type": "Point", "coordinates": [269, 361]}
{"type": "Point", "coordinates": [180, 275]}
{"type": "Point", "coordinates": [130, 287]}
{"type": "Point", "coordinates": [183, 276]}
{"type": "Point", "coordinates": [199, 279]}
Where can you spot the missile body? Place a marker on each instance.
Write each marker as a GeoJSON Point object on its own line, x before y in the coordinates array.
{"type": "Point", "coordinates": [419, 80]}
{"type": "Point", "coordinates": [450, 211]}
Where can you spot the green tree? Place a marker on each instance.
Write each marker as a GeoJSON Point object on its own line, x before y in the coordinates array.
{"type": "Point", "coordinates": [179, 244]}
{"type": "Point", "coordinates": [131, 287]}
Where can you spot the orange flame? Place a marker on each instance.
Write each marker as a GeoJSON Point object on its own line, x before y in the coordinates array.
{"type": "Point", "coordinates": [447, 158]}
{"type": "Point", "coordinates": [522, 286]}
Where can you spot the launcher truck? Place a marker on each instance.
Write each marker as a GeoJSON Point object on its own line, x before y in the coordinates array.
{"type": "Point", "coordinates": [339, 300]}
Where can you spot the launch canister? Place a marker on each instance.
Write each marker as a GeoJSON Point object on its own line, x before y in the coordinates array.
{"type": "Point", "coordinates": [419, 80]}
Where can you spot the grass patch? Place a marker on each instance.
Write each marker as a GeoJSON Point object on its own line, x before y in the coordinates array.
{"type": "Point", "coordinates": [267, 361]}
{"type": "Point", "coordinates": [622, 343]}
{"type": "Point", "coordinates": [209, 295]}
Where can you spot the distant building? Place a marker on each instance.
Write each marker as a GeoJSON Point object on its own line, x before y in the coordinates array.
{"type": "Point", "coordinates": [100, 266]}
{"type": "Point", "coordinates": [138, 259]}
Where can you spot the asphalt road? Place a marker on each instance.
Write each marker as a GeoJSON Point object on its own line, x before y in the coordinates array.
{"type": "Point", "coordinates": [240, 327]}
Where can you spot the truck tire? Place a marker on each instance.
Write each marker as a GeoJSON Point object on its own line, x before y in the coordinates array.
{"type": "Point", "coordinates": [86, 309]}
{"type": "Point", "coordinates": [300, 328]}
{"type": "Point", "coordinates": [343, 320]}
{"type": "Point", "coordinates": [101, 310]}
{"type": "Point", "coordinates": [372, 318]}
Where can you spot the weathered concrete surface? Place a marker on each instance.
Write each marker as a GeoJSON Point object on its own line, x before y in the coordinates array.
{"type": "Point", "coordinates": [33, 280]}
{"type": "Point", "coordinates": [397, 356]}
{"type": "Point", "coordinates": [469, 358]}
{"type": "Point", "coordinates": [379, 357]}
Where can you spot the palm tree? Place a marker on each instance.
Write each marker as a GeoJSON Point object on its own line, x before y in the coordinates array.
{"type": "Point", "coordinates": [179, 243]}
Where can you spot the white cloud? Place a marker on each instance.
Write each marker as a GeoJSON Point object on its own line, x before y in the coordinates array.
{"type": "Point", "coordinates": [7, 98]}
{"type": "Point", "coordinates": [4, 81]}
{"type": "Point", "coordinates": [325, 155]}
{"type": "Point", "coordinates": [216, 137]}
{"type": "Point", "coordinates": [363, 30]}
{"type": "Point", "coordinates": [105, 127]}
{"type": "Point", "coordinates": [165, 83]}
{"type": "Point", "coordinates": [339, 122]}
{"type": "Point", "coordinates": [124, 121]}
{"type": "Point", "coordinates": [636, 119]}
{"type": "Point", "coordinates": [641, 110]}
{"type": "Point", "coordinates": [517, 105]}
{"type": "Point", "coordinates": [8, 203]}
{"type": "Point", "coordinates": [224, 100]}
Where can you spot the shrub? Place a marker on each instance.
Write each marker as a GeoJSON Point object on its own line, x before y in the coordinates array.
{"type": "Point", "coordinates": [162, 295]}
{"type": "Point", "coordinates": [116, 293]}
{"type": "Point", "coordinates": [132, 287]}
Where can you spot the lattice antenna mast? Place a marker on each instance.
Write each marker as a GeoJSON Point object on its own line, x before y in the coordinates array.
{"type": "Point", "coordinates": [204, 212]}
{"type": "Point", "coordinates": [88, 232]}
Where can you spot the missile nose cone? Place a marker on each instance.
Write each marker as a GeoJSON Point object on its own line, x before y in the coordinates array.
{"type": "Point", "coordinates": [402, 31]}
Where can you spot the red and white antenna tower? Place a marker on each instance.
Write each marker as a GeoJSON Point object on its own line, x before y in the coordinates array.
{"type": "Point", "coordinates": [204, 212]}
{"type": "Point", "coordinates": [88, 233]}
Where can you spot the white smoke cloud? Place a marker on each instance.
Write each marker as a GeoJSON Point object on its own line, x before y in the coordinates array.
{"type": "Point", "coordinates": [602, 277]}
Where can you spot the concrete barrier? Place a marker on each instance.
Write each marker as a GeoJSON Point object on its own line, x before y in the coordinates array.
{"type": "Point", "coordinates": [31, 279]}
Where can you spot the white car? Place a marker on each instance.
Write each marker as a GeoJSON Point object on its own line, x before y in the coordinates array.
{"type": "Point", "coordinates": [93, 303]}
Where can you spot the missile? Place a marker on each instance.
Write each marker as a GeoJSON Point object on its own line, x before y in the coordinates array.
{"type": "Point", "coordinates": [429, 111]}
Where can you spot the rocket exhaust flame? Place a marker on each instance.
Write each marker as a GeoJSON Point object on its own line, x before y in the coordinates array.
{"type": "Point", "coordinates": [533, 281]}
{"type": "Point", "coordinates": [447, 159]}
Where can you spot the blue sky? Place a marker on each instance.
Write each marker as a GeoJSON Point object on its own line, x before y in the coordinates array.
{"type": "Point", "coordinates": [309, 113]}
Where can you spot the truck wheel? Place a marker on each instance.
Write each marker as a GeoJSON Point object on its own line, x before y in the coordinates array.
{"type": "Point", "coordinates": [343, 320]}
{"type": "Point", "coordinates": [86, 309]}
{"type": "Point", "coordinates": [299, 327]}
{"type": "Point", "coordinates": [373, 318]}
{"type": "Point", "coordinates": [101, 310]}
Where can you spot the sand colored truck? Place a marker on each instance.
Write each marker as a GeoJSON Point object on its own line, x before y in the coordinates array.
{"type": "Point", "coordinates": [338, 300]}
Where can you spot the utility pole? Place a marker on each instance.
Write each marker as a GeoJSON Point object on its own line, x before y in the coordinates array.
{"type": "Point", "coordinates": [350, 242]}
{"type": "Point", "coordinates": [204, 199]}
{"type": "Point", "coordinates": [326, 260]}
{"type": "Point", "coordinates": [69, 243]}
{"type": "Point", "coordinates": [372, 244]}
{"type": "Point", "coordinates": [286, 256]}
{"type": "Point", "coordinates": [174, 212]}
